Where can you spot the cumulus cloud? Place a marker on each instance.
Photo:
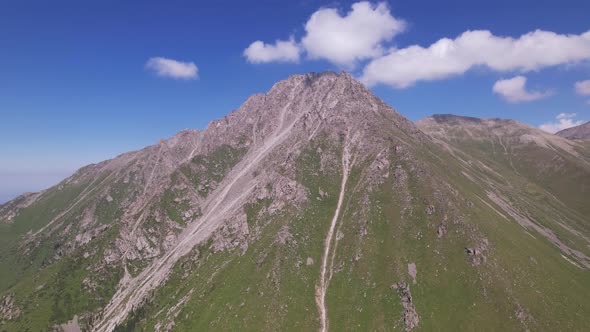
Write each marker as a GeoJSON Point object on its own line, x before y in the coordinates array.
{"type": "Point", "coordinates": [564, 121]}
{"type": "Point", "coordinates": [513, 90]}
{"type": "Point", "coordinates": [401, 68]}
{"type": "Point", "coordinates": [342, 40]}
{"type": "Point", "coordinates": [281, 51]}
{"type": "Point", "coordinates": [346, 39]}
{"type": "Point", "coordinates": [171, 68]}
{"type": "Point", "coordinates": [583, 88]}
{"type": "Point", "coordinates": [364, 35]}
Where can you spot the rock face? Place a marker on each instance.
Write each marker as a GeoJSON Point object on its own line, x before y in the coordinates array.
{"type": "Point", "coordinates": [581, 132]}
{"type": "Point", "coordinates": [8, 309]}
{"type": "Point", "coordinates": [410, 317]}
{"type": "Point", "coordinates": [298, 211]}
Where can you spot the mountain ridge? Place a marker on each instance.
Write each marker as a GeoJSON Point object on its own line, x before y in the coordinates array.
{"type": "Point", "coordinates": [312, 206]}
{"type": "Point", "coordinates": [577, 132]}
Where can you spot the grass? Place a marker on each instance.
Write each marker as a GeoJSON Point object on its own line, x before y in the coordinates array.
{"type": "Point", "coordinates": [270, 286]}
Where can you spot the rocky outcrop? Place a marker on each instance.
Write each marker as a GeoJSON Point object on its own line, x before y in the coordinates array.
{"type": "Point", "coordinates": [10, 210]}
{"type": "Point", "coordinates": [412, 271]}
{"type": "Point", "coordinates": [409, 316]}
{"type": "Point", "coordinates": [8, 309]}
{"type": "Point", "coordinates": [478, 254]}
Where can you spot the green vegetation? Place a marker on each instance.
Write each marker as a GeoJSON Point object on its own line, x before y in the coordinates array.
{"type": "Point", "coordinates": [431, 209]}
{"type": "Point", "coordinates": [206, 170]}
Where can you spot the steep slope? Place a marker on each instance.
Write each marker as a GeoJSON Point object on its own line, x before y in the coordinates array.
{"type": "Point", "coordinates": [314, 206]}
{"type": "Point", "coordinates": [578, 132]}
{"type": "Point", "coordinates": [557, 165]}
{"type": "Point", "coordinates": [541, 180]}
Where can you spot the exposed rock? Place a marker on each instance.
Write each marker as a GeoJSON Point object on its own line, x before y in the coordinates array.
{"type": "Point", "coordinates": [523, 316]}
{"type": "Point", "coordinates": [409, 316]}
{"type": "Point", "coordinates": [430, 209]}
{"type": "Point", "coordinates": [10, 210]}
{"type": "Point", "coordinates": [441, 231]}
{"type": "Point", "coordinates": [401, 177]}
{"type": "Point", "coordinates": [286, 191]}
{"type": "Point", "coordinates": [284, 236]}
{"type": "Point", "coordinates": [309, 261]}
{"type": "Point", "coordinates": [8, 309]}
{"type": "Point", "coordinates": [71, 326]}
{"type": "Point", "coordinates": [378, 171]}
{"type": "Point", "coordinates": [442, 228]}
{"type": "Point", "coordinates": [233, 234]}
{"type": "Point", "coordinates": [84, 238]}
{"type": "Point", "coordinates": [477, 255]}
{"type": "Point", "coordinates": [412, 271]}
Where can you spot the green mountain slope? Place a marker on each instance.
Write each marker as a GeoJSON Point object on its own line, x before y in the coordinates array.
{"type": "Point", "coordinates": [312, 207]}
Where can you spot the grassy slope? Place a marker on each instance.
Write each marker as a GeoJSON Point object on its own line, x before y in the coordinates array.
{"type": "Point", "coordinates": [269, 287]}
{"type": "Point", "coordinates": [49, 291]}
{"type": "Point", "coordinates": [526, 270]}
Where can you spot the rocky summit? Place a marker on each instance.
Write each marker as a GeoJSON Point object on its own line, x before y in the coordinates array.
{"type": "Point", "coordinates": [314, 206]}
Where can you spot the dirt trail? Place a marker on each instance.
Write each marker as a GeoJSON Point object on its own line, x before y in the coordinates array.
{"type": "Point", "coordinates": [323, 283]}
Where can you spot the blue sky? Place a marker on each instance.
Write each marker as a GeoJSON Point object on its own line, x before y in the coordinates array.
{"type": "Point", "coordinates": [75, 87]}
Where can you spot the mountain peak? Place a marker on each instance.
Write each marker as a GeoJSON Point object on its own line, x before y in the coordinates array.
{"type": "Point", "coordinates": [313, 76]}
{"type": "Point", "coordinates": [316, 79]}
{"type": "Point", "coordinates": [315, 182]}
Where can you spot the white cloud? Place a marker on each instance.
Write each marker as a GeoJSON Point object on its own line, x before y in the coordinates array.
{"type": "Point", "coordinates": [342, 40]}
{"type": "Point", "coordinates": [565, 116]}
{"type": "Point", "coordinates": [564, 121]}
{"type": "Point", "coordinates": [583, 88]}
{"type": "Point", "coordinates": [171, 68]}
{"type": "Point", "coordinates": [345, 39]}
{"type": "Point", "coordinates": [281, 51]}
{"type": "Point", "coordinates": [514, 90]}
{"type": "Point", "coordinates": [402, 68]}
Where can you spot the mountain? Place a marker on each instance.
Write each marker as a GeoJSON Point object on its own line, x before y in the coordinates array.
{"type": "Point", "coordinates": [578, 132]}
{"type": "Point", "coordinates": [555, 165]}
{"type": "Point", "coordinates": [312, 206]}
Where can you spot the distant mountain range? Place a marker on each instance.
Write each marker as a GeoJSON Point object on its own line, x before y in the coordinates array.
{"type": "Point", "coordinates": [578, 132]}
{"type": "Point", "coordinates": [314, 206]}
